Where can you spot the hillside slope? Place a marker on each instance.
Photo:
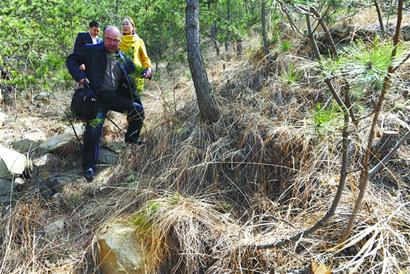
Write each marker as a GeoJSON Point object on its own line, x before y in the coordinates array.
{"type": "Point", "coordinates": [266, 170]}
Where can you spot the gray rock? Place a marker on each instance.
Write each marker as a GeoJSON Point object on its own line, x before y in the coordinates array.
{"type": "Point", "coordinates": [55, 142]}
{"type": "Point", "coordinates": [108, 156]}
{"type": "Point", "coordinates": [46, 160]}
{"type": "Point", "coordinates": [55, 228]}
{"type": "Point", "coordinates": [42, 96]}
{"type": "Point", "coordinates": [31, 141]}
{"type": "Point", "coordinates": [12, 163]}
{"type": "Point", "coordinates": [6, 186]}
{"type": "Point", "coordinates": [79, 129]}
{"type": "Point", "coordinates": [19, 181]}
{"type": "Point", "coordinates": [405, 32]}
{"type": "Point", "coordinates": [117, 147]}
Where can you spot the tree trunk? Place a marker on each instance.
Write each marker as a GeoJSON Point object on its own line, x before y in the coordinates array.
{"type": "Point", "coordinates": [228, 21]}
{"type": "Point", "coordinates": [214, 31]}
{"type": "Point", "coordinates": [207, 107]}
{"type": "Point", "coordinates": [263, 23]}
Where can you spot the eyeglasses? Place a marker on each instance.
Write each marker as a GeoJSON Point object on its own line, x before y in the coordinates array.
{"type": "Point", "coordinates": [108, 39]}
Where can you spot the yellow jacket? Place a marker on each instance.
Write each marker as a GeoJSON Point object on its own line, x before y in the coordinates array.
{"type": "Point", "coordinates": [133, 46]}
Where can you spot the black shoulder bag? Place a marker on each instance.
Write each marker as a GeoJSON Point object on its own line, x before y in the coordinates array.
{"type": "Point", "coordinates": [84, 103]}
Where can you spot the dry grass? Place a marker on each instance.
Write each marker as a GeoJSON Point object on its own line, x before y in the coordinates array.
{"type": "Point", "coordinates": [202, 195]}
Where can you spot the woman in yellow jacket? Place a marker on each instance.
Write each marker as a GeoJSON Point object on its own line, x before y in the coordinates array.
{"type": "Point", "coordinates": [133, 46]}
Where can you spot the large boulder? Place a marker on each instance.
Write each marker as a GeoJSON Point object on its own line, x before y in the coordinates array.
{"type": "Point", "coordinates": [120, 250]}
{"type": "Point", "coordinates": [12, 163]}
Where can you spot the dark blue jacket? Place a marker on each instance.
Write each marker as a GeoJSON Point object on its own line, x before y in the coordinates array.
{"type": "Point", "coordinates": [82, 39]}
{"type": "Point", "coordinates": [95, 60]}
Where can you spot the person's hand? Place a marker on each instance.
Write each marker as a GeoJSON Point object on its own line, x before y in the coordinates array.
{"type": "Point", "coordinates": [82, 67]}
{"type": "Point", "coordinates": [83, 81]}
{"type": "Point", "coordinates": [147, 74]}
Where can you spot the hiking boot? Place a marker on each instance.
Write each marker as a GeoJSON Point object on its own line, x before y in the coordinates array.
{"type": "Point", "coordinates": [89, 174]}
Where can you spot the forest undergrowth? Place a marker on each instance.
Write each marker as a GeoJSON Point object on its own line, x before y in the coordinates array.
{"type": "Point", "coordinates": [204, 196]}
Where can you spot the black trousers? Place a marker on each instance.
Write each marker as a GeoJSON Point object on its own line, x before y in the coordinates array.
{"type": "Point", "coordinates": [93, 130]}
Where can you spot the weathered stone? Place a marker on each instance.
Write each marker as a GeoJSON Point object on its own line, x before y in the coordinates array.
{"type": "Point", "coordinates": [3, 118]}
{"type": "Point", "coordinates": [54, 228]}
{"type": "Point", "coordinates": [405, 32]}
{"type": "Point", "coordinates": [79, 129]}
{"type": "Point", "coordinates": [42, 96]}
{"type": "Point", "coordinates": [30, 141]}
{"type": "Point", "coordinates": [46, 160]}
{"type": "Point", "coordinates": [6, 187]}
{"type": "Point", "coordinates": [55, 142]}
{"type": "Point", "coordinates": [19, 181]}
{"type": "Point", "coordinates": [108, 156]}
{"type": "Point", "coordinates": [120, 250]}
{"type": "Point", "coordinates": [117, 147]}
{"type": "Point", "coordinates": [12, 163]}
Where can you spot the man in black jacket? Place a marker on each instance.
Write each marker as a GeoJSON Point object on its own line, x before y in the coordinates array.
{"type": "Point", "coordinates": [90, 37]}
{"type": "Point", "coordinates": [107, 74]}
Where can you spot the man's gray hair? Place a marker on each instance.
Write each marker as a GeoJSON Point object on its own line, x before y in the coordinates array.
{"type": "Point", "coordinates": [111, 28]}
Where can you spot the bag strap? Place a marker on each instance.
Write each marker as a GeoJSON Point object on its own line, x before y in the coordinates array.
{"type": "Point", "coordinates": [75, 132]}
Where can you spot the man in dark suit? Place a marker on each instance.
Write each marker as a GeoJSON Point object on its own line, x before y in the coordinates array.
{"type": "Point", "coordinates": [89, 37]}
{"type": "Point", "coordinates": [107, 74]}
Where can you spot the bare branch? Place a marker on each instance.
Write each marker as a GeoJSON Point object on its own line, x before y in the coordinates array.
{"type": "Point", "coordinates": [380, 17]}
{"type": "Point", "coordinates": [401, 62]}
{"type": "Point", "coordinates": [290, 19]}
{"type": "Point", "coordinates": [326, 30]}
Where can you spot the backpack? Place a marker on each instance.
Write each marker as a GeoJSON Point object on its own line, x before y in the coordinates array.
{"type": "Point", "coordinates": [84, 103]}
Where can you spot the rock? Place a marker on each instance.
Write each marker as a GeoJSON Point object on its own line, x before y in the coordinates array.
{"type": "Point", "coordinates": [405, 32]}
{"type": "Point", "coordinates": [54, 228]}
{"type": "Point", "coordinates": [3, 118]}
{"type": "Point", "coordinates": [42, 96]}
{"type": "Point", "coordinates": [30, 141]}
{"type": "Point", "coordinates": [6, 186]}
{"type": "Point", "coordinates": [46, 160]}
{"type": "Point", "coordinates": [79, 129]}
{"type": "Point", "coordinates": [19, 181]}
{"type": "Point", "coordinates": [108, 156]}
{"type": "Point", "coordinates": [55, 142]}
{"type": "Point", "coordinates": [12, 163]}
{"type": "Point", "coordinates": [120, 250]}
{"type": "Point", "coordinates": [117, 147]}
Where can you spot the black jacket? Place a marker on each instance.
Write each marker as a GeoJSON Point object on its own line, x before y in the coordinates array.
{"type": "Point", "coordinates": [95, 60]}
{"type": "Point", "coordinates": [82, 39]}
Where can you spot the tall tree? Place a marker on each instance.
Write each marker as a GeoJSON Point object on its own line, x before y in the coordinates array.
{"type": "Point", "coordinates": [207, 107]}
